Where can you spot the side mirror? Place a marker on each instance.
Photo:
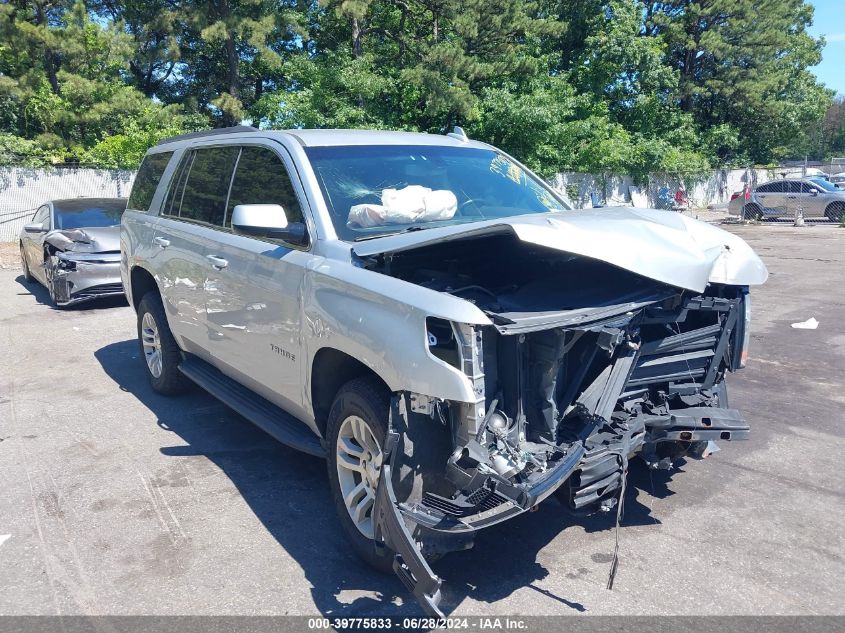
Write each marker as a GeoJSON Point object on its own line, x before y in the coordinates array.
{"type": "Point", "coordinates": [34, 227]}
{"type": "Point", "coordinates": [267, 220]}
{"type": "Point", "coordinates": [814, 192]}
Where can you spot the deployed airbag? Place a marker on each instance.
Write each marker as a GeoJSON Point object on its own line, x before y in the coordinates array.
{"type": "Point", "coordinates": [413, 203]}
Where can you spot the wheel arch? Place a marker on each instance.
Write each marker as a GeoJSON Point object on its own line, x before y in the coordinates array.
{"type": "Point", "coordinates": [330, 370]}
{"type": "Point", "coordinates": [831, 208]}
{"type": "Point", "coordinates": [141, 281]}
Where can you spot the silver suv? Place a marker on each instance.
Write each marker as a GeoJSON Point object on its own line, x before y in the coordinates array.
{"type": "Point", "coordinates": [430, 317]}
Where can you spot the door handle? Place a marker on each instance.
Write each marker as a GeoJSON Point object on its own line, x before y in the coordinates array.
{"type": "Point", "coordinates": [163, 243]}
{"type": "Point", "coordinates": [792, 197]}
{"type": "Point", "coordinates": [217, 262]}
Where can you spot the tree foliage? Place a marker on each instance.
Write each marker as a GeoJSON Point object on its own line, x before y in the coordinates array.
{"type": "Point", "coordinates": [631, 86]}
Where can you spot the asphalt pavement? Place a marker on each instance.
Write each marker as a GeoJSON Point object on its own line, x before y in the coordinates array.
{"type": "Point", "coordinates": [115, 500]}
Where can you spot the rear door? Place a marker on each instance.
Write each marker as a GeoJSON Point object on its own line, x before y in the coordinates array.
{"type": "Point", "coordinates": [772, 197]}
{"type": "Point", "coordinates": [797, 197]}
{"type": "Point", "coordinates": [187, 232]}
{"type": "Point", "coordinates": [254, 295]}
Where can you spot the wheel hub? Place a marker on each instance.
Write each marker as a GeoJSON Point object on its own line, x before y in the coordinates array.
{"type": "Point", "coordinates": [359, 459]}
{"type": "Point", "coordinates": [151, 344]}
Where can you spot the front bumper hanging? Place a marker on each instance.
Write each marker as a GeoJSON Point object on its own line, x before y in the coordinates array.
{"type": "Point", "coordinates": [409, 564]}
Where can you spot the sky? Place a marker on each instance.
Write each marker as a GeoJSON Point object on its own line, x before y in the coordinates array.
{"type": "Point", "coordinates": [829, 21]}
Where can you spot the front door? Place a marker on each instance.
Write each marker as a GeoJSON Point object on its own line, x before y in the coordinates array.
{"type": "Point", "coordinates": [254, 302]}
{"type": "Point", "coordinates": [816, 199]}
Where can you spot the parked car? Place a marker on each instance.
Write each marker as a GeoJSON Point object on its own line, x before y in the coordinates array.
{"type": "Point", "coordinates": [818, 198]}
{"type": "Point", "coordinates": [72, 247]}
{"type": "Point", "coordinates": [838, 179]}
{"type": "Point", "coordinates": [430, 317]}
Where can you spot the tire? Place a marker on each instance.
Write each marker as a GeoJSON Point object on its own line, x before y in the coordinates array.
{"type": "Point", "coordinates": [27, 276]}
{"type": "Point", "coordinates": [159, 351]}
{"type": "Point", "coordinates": [49, 266]}
{"type": "Point", "coordinates": [420, 453]}
{"type": "Point", "coordinates": [752, 211]}
{"type": "Point", "coordinates": [360, 401]}
{"type": "Point", "coordinates": [835, 211]}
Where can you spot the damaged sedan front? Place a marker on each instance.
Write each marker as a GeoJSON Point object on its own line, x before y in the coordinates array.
{"type": "Point", "coordinates": [72, 247]}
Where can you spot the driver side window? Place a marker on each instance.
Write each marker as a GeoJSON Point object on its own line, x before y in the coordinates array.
{"type": "Point", "coordinates": [42, 217]}
{"type": "Point", "coordinates": [261, 178]}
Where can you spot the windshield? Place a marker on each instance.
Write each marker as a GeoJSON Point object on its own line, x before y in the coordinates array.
{"type": "Point", "coordinates": [824, 184]}
{"type": "Point", "coordinates": [78, 214]}
{"type": "Point", "coordinates": [375, 190]}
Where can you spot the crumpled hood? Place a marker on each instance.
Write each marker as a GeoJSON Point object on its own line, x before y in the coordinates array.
{"type": "Point", "coordinates": [86, 240]}
{"type": "Point", "coordinates": [661, 245]}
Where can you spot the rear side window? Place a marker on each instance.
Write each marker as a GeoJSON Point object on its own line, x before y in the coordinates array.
{"type": "Point", "coordinates": [772, 187]}
{"type": "Point", "coordinates": [261, 178]}
{"type": "Point", "coordinates": [146, 181]}
{"type": "Point", "coordinates": [177, 185]}
{"type": "Point", "coordinates": [207, 185]}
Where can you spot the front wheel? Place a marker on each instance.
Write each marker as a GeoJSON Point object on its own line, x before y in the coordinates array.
{"type": "Point", "coordinates": [835, 211]}
{"type": "Point", "coordinates": [159, 350]}
{"type": "Point", "coordinates": [355, 432]}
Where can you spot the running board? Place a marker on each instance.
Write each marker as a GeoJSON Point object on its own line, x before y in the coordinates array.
{"type": "Point", "coordinates": [261, 412]}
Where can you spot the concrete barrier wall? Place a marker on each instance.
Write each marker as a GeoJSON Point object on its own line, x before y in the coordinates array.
{"type": "Point", "coordinates": [713, 190]}
{"type": "Point", "coordinates": [23, 189]}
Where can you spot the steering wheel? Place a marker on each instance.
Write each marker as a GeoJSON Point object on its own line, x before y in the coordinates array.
{"type": "Point", "coordinates": [463, 205]}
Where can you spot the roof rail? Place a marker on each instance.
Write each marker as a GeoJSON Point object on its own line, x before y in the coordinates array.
{"type": "Point", "coordinates": [216, 131]}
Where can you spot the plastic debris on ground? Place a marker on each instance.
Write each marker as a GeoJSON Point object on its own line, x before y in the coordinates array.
{"type": "Point", "coordinates": [809, 324]}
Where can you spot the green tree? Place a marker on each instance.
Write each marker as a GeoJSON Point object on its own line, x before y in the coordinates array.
{"type": "Point", "coordinates": [745, 63]}
{"type": "Point", "coordinates": [415, 64]}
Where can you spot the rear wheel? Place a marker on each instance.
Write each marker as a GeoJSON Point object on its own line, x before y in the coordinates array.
{"type": "Point", "coordinates": [835, 211]}
{"type": "Point", "coordinates": [159, 350]}
{"type": "Point", "coordinates": [752, 211]}
{"type": "Point", "coordinates": [27, 276]}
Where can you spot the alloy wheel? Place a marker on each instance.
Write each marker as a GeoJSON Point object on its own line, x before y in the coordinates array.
{"type": "Point", "coordinates": [359, 460]}
{"type": "Point", "coordinates": [151, 344]}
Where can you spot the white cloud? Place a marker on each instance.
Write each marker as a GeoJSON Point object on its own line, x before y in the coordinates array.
{"type": "Point", "coordinates": [835, 37]}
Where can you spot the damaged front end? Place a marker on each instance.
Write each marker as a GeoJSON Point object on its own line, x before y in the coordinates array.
{"type": "Point", "coordinates": [82, 264]}
{"type": "Point", "coordinates": [583, 366]}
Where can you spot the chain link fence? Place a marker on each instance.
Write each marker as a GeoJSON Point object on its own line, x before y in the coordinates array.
{"type": "Point", "coordinates": [23, 189]}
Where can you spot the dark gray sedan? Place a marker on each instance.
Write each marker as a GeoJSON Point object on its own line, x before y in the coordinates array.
{"type": "Point", "coordinates": [72, 247]}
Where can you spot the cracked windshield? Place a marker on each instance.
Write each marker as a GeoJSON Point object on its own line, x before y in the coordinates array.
{"type": "Point", "coordinates": [374, 191]}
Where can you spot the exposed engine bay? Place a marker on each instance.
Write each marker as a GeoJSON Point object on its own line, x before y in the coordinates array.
{"type": "Point", "coordinates": [584, 366]}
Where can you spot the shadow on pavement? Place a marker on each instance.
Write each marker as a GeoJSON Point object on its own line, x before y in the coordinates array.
{"type": "Point", "coordinates": [288, 492]}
